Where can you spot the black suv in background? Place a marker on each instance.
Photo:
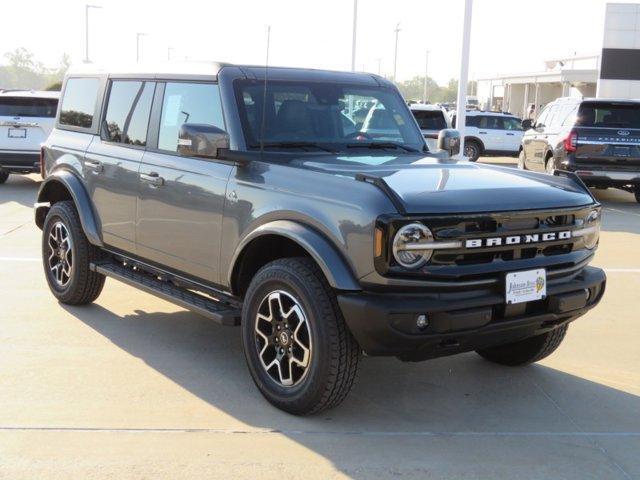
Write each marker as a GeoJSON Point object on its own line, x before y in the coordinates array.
{"type": "Point", "coordinates": [599, 140]}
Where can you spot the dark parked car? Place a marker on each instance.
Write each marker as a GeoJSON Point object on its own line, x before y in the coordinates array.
{"type": "Point", "coordinates": [597, 139]}
{"type": "Point", "coordinates": [265, 201]}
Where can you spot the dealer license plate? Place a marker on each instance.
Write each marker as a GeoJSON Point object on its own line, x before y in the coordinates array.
{"type": "Point", "coordinates": [526, 286]}
{"type": "Point", "coordinates": [17, 133]}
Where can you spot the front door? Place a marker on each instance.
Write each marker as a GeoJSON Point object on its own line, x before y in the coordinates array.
{"type": "Point", "coordinates": [112, 160]}
{"type": "Point", "coordinates": [489, 131]}
{"type": "Point", "coordinates": [181, 199]}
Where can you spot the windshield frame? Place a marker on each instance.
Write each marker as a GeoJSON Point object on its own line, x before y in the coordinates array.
{"type": "Point", "coordinates": [330, 147]}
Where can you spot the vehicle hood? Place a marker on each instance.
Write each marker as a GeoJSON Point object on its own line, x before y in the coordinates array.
{"type": "Point", "coordinates": [430, 185]}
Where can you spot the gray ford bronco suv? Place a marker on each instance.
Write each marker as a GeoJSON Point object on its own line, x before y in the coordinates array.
{"type": "Point", "coordinates": [304, 206]}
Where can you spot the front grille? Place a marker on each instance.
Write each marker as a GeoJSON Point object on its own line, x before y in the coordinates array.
{"type": "Point", "coordinates": [562, 255]}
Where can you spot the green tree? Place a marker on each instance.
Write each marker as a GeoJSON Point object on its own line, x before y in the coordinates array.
{"type": "Point", "coordinates": [23, 71]}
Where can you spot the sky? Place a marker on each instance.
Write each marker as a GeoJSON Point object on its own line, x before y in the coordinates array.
{"type": "Point", "coordinates": [508, 36]}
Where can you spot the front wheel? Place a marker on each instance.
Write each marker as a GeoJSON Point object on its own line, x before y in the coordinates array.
{"type": "Point", "coordinates": [66, 256]}
{"type": "Point", "coordinates": [550, 166]}
{"type": "Point", "coordinates": [300, 353]}
{"type": "Point", "coordinates": [526, 351]}
{"type": "Point", "coordinates": [636, 193]}
{"type": "Point", "coordinates": [4, 175]}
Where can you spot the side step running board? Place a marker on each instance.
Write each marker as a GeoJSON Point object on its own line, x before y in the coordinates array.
{"type": "Point", "coordinates": [221, 312]}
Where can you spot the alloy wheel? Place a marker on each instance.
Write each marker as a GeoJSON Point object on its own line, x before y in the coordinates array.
{"type": "Point", "coordinates": [60, 258]}
{"type": "Point", "coordinates": [283, 338]}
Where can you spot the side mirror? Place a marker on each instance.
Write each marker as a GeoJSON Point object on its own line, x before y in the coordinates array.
{"type": "Point", "coordinates": [449, 140]}
{"type": "Point", "coordinates": [201, 140]}
{"type": "Point", "coordinates": [527, 124]}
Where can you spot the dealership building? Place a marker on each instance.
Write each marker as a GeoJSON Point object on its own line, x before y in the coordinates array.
{"type": "Point", "coordinates": [614, 72]}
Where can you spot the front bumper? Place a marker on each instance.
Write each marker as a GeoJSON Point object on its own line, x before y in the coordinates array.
{"type": "Point", "coordinates": [385, 324]}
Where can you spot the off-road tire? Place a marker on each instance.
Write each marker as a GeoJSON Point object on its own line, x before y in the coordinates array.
{"type": "Point", "coordinates": [521, 161]}
{"type": "Point", "coordinates": [550, 165]}
{"type": "Point", "coordinates": [334, 354]}
{"type": "Point", "coordinates": [84, 285]}
{"type": "Point", "coordinates": [526, 351]}
{"type": "Point", "coordinates": [474, 150]}
{"type": "Point", "coordinates": [4, 175]}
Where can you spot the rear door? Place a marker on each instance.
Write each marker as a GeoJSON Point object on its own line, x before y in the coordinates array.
{"type": "Point", "coordinates": [112, 160]}
{"type": "Point", "coordinates": [608, 135]}
{"type": "Point", "coordinates": [181, 199]}
{"type": "Point", "coordinates": [489, 131]}
{"type": "Point", "coordinates": [540, 144]}
{"type": "Point", "coordinates": [25, 123]}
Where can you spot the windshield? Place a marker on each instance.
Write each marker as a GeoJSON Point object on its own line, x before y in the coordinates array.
{"type": "Point", "coordinates": [430, 119]}
{"type": "Point", "coordinates": [325, 116]}
{"type": "Point", "coordinates": [608, 115]}
{"type": "Point", "coordinates": [28, 107]}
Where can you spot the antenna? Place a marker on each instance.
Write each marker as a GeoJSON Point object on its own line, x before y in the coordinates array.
{"type": "Point", "coordinates": [264, 93]}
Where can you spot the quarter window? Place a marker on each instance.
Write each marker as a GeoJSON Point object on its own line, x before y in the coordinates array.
{"type": "Point", "coordinates": [188, 103]}
{"type": "Point", "coordinates": [79, 102]}
{"type": "Point", "coordinates": [127, 116]}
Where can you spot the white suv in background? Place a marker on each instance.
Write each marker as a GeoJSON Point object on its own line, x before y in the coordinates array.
{"type": "Point", "coordinates": [491, 133]}
{"type": "Point", "coordinates": [26, 119]}
{"type": "Point", "coordinates": [431, 119]}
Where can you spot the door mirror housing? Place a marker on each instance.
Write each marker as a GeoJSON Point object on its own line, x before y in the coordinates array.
{"type": "Point", "coordinates": [527, 124]}
{"type": "Point", "coordinates": [201, 140]}
{"type": "Point", "coordinates": [449, 140]}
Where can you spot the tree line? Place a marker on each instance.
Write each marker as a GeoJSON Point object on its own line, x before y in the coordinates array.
{"type": "Point", "coordinates": [22, 71]}
{"type": "Point", "coordinates": [413, 90]}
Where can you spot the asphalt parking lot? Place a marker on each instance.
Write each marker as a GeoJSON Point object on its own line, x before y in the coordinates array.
{"type": "Point", "coordinates": [134, 387]}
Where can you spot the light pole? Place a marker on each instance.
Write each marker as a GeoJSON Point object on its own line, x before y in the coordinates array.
{"type": "Point", "coordinates": [395, 55]}
{"type": "Point", "coordinates": [461, 108]}
{"type": "Point", "coordinates": [86, 31]}
{"type": "Point", "coordinates": [353, 40]}
{"type": "Point", "coordinates": [426, 72]}
{"type": "Point", "coordinates": [138, 36]}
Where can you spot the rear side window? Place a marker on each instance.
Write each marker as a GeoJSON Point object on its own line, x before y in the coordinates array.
{"type": "Point", "coordinates": [492, 123]}
{"type": "Point", "coordinates": [187, 103]}
{"type": "Point", "coordinates": [608, 115]}
{"type": "Point", "coordinates": [28, 107]}
{"type": "Point", "coordinates": [430, 119]}
{"type": "Point", "coordinates": [511, 123]}
{"type": "Point", "coordinates": [127, 117]}
{"type": "Point", "coordinates": [79, 102]}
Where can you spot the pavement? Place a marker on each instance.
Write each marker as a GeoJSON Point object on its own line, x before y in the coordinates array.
{"type": "Point", "coordinates": [133, 387]}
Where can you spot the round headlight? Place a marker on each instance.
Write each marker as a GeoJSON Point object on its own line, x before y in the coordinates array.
{"type": "Point", "coordinates": [406, 245]}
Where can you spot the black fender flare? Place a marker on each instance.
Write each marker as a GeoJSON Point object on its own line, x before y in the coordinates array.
{"type": "Point", "coordinates": [72, 184]}
{"type": "Point", "coordinates": [331, 262]}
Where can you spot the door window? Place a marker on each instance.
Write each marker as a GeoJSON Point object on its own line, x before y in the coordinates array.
{"type": "Point", "coordinates": [542, 118]}
{"type": "Point", "coordinates": [511, 123]}
{"type": "Point", "coordinates": [127, 117]}
{"type": "Point", "coordinates": [492, 123]}
{"type": "Point", "coordinates": [188, 103]}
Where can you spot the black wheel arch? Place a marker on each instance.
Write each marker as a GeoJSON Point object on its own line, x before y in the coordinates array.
{"type": "Point", "coordinates": [288, 238]}
{"type": "Point", "coordinates": [477, 141]}
{"type": "Point", "coordinates": [64, 185]}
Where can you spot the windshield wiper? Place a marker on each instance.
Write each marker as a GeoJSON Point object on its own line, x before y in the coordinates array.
{"type": "Point", "coordinates": [382, 146]}
{"type": "Point", "coordinates": [294, 145]}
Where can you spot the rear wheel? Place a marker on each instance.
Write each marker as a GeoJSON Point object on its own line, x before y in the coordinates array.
{"type": "Point", "coordinates": [300, 353]}
{"type": "Point", "coordinates": [472, 150]}
{"type": "Point", "coordinates": [67, 254]}
{"type": "Point", "coordinates": [4, 175]}
{"type": "Point", "coordinates": [526, 351]}
{"type": "Point", "coordinates": [636, 193]}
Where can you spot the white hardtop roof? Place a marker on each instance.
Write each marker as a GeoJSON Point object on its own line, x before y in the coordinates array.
{"type": "Point", "coordinates": [473, 113]}
{"type": "Point", "coordinates": [31, 93]}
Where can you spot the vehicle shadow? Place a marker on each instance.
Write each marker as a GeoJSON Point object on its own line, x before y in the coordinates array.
{"type": "Point", "coordinates": [445, 397]}
{"type": "Point", "coordinates": [22, 189]}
